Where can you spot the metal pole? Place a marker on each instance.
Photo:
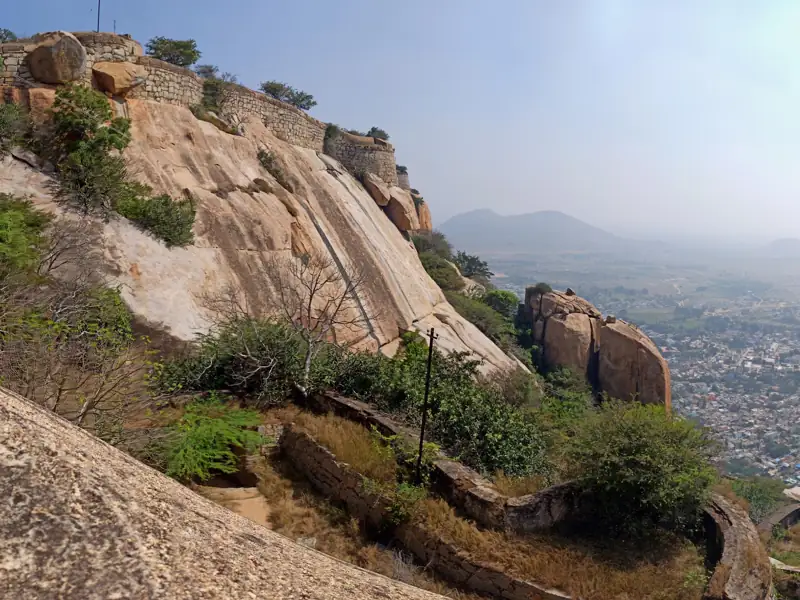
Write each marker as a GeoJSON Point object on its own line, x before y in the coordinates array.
{"type": "Point", "coordinates": [432, 336]}
{"type": "Point", "coordinates": [98, 16]}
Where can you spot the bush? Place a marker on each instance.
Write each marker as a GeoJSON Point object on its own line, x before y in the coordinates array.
{"type": "Point", "coordinates": [269, 161]}
{"type": "Point", "coordinates": [472, 266]}
{"type": "Point", "coordinates": [485, 318]}
{"type": "Point", "coordinates": [517, 387]}
{"type": "Point", "coordinates": [642, 465]}
{"type": "Point", "coordinates": [6, 35]}
{"type": "Point", "coordinates": [14, 126]}
{"type": "Point", "coordinates": [539, 289]}
{"type": "Point", "coordinates": [206, 436]}
{"type": "Point", "coordinates": [286, 93]}
{"type": "Point", "coordinates": [255, 358]}
{"type": "Point", "coordinates": [441, 271]}
{"type": "Point", "coordinates": [183, 53]}
{"type": "Point", "coordinates": [402, 169]}
{"type": "Point", "coordinates": [433, 242]}
{"type": "Point", "coordinates": [503, 301]}
{"type": "Point", "coordinates": [763, 495]}
{"type": "Point", "coordinates": [165, 218]}
{"type": "Point", "coordinates": [21, 235]}
{"type": "Point", "coordinates": [377, 132]}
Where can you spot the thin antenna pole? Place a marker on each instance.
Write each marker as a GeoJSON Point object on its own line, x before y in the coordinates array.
{"type": "Point", "coordinates": [433, 336]}
{"type": "Point", "coordinates": [98, 16]}
{"type": "Point", "coordinates": [115, 26]}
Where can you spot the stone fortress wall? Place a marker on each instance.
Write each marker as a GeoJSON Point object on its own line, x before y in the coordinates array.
{"type": "Point", "coordinates": [171, 84]}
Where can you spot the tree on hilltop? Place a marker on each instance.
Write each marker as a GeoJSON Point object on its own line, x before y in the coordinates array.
{"type": "Point", "coordinates": [212, 72]}
{"type": "Point", "coordinates": [286, 93]}
{"type": "Point", "coordinates": [183, 53]}
{"type": "Point", "coordinates": [6, 35]}
{"type": "Point", "coordinates": [377, 132]}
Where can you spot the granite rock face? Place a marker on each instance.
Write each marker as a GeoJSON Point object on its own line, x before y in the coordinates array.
{"type": "Point", "coordinates": [401, 210]}
{"type": "Point", "coordinates": [244, 217]}
{"type": "Point", "coordinates": [58, 58]}
{"type": "Point", "coordinates": [616, 357]}
{"type": "Point", "coordinates": [424, 213]}
{"type": "Point", "coordinates": [81, 520]}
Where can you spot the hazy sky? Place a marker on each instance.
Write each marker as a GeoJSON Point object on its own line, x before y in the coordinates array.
{"type": "Point", "coordinates": [659, 116]}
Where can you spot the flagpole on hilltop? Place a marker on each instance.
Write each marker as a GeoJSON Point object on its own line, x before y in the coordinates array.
{"type": "Point", "coordinates": [98, 16]}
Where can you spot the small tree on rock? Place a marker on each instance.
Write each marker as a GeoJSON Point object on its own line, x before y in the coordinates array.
{"type": "Point", "coordinates": [377, 132]}
{"type": "Point", "coordinates": [6, 35]}
{"type": "Point", "coordinates": [183, 53]}
{"type": "Point", "coordinates": [472, 266]}
{"type": "Point", "coordinates": [286, 93]}
{"type": "Point", "coordinates": [320, 300]}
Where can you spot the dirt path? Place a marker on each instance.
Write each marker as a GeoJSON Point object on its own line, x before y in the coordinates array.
{"type": "Point", "coordinates": [247, 502]}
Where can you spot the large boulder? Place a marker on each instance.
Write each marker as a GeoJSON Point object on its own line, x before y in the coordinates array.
{"type": "Point", "coordinates": [568, 341]}
{"type": "Point", "coordinates": [401, 210]}
{"type": "Point", "coordinates": [630, 365]}
{"type": "Point", "coordinates": [58, 58]}
{"type": "Point", "coordinates": [118, 78]}
{"type": "Point", "coordinates": [424, 213]}
{"type": "Point", "coordinates": [80, 519]}
{"type": "Point", "coordinates": [377, 188]}
{"type": "Point", "coordinates": [616, 357]}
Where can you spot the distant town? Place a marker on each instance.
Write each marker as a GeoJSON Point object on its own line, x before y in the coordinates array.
{"type": "Point", "coordinates": [735, 370]}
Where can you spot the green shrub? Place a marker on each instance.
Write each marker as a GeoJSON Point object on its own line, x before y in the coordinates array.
{"type": "Point", "coordinates": [540, 288]}
{"type": "Point", "coordinates": [763, 494]}
{"type": "Point", "coordinates": [205, 439]}
{"type": "Point", "coordinates": [270, 162]}
{"type": "Point", "coordinates": [14, 126]}
{"type": "Point", "coordinates": [503, 301]}
{"type": "Point", "coordinates": [377, 132]}
{"type": "Point", "coordinates": [183, 53]}
{"type": "Point", "coordinates": [255, 358]}
{"type": "Point", "coordinates": [433, 242]}
{"type": "Point", "coordinates": [642, 465]}
{"type": "Point", "coordinates": [472, 266]}
{"type": "Point", "coordinates": [21, 235]}
{"type": "Point", "coordinates": [6, 35]}
{"type": "Point", "coordinates": [402, 169]}
{"type": "Point", "coordinates": [166, 219]}
{"type": "Point", "coordinates": [286, 93]}
{"type": "Point", "coordinates": [441, 271]}
{"type": "Point", "coordinates": [489, 321]}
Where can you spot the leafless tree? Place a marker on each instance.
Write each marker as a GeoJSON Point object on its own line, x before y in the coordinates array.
{"type": "Point", "coordinates": [320, 299]}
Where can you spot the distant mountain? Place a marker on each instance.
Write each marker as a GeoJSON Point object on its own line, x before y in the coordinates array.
{"type": "Point", "coordinates": [485, 231]}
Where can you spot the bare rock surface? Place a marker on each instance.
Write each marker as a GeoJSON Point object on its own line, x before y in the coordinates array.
{"type": "Point", "coordinates": [244, 217]}
{"type": "Point", "coordinates": [615, 356]}
{"type": "Point", "coordinates": [401, 210]}
{"type": "Point", "coordinates": [118, 78]}
{"type": "Point", "coordinates": [81, 520]}
{"type": "Point", "coordinates": [424, 213]}
{"type": "Point", "coordinates": [377, 188]}
{"type": "Point", "coordinates": [58, 58]}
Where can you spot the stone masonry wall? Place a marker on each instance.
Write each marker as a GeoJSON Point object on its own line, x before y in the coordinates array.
{"type": "Point", "coordinates": [403, 181]}
{"type": "Point", "coordinates": [285, 121]}
{"type": "Point", "coordinates": [168, 83]}
{"type": "Point", "coordinates": [357, 154]}
{"type": "Point", "coordinates": [341, 483]}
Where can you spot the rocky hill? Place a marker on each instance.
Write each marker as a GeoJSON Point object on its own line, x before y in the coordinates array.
{"type": "Point", "coordinates": [615, 356]}
{"type": "Point", "coordinates": [245, 214]}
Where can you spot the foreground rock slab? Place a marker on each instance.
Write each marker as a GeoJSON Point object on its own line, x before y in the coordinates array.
{"type": "Point", "coordinates": [79, 519]}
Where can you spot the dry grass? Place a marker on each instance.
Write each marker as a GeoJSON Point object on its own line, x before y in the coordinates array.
{"type": "Point", "coordinates": [787, 548]}
{"type": "Point", "coordinates": [353, 444]}
{"type": "Point", "coordinates": [518, 486]}
{"type": "Point", "coordinates": [589, 569]}
{"type": "Point", "coordinates": [724, 488]}
{"type": "Point", "coordinates": [296, 511]}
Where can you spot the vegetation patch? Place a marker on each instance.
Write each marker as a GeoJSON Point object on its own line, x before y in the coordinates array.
{"type": "Point", "coordinates": [270, 162]}
{"type": "Point", "coordinates": [206, 436]}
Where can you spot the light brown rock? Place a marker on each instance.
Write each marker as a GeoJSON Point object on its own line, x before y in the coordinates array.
{"type": "Point", "coordinates": [377, 189]}
{"type": "Point", "coordinates": [118, 78]}
{"type": "Point", "coordinates": [84, 521]}
{"type": "Point", "coordinates": [424, 213]}
{"type": "Point", "coordinates": [58, 58]}
{"type": "Point", "coordinates": [40, 100]}
{"type": "Point", "coordinates": [631, 367]}
{"type": "Point", "coordinates": [401, 210]}
{"type": "Point", "coordinates": [568, 341]}
{"type": "Point", "coordinates": [241, 225]}
{"type": "Point", "coordinates": [617, 358]}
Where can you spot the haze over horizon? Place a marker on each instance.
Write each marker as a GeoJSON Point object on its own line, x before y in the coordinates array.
{"type": "Point", "coordinates": [663, 119]}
